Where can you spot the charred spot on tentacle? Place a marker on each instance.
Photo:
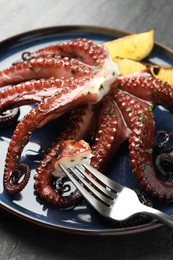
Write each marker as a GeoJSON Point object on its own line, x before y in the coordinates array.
{"type": "Point", "coordinates": [9, 116]}
{"type": "Point", "coordinates": [156, 70]}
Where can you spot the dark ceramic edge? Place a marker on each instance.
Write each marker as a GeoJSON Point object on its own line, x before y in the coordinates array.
{"type": "Point", "coordinates": [80, 231]}
{"type": "Point", "coordinates": [76, 27]}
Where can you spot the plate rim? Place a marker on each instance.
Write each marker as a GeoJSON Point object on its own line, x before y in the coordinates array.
{"type": "Point", "coordinates": [82, 231]}
{"type": "Point", "coordinates": [77, 27]}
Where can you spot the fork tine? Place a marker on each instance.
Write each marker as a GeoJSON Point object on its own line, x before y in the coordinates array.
{"type": "Point", "coordinates": [105, 180]}
{"type": "Point", "coordinates": [105, 191]}
{"type": "Point", "coordinates": [98, 205]}
{"type": "Point", "coordinates": [100, 195]}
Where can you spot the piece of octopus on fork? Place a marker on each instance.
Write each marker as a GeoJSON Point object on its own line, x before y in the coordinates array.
{"type": "Point", "coordinates": [50, 186]}
{"type": "Point", "coordinates": [109, 132]}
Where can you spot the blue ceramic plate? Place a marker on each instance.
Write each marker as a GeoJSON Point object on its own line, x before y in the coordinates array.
{"type": "Point", "coordinates": [81, 219]}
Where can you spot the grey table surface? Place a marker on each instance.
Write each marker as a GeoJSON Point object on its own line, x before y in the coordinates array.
{"type": "Point", "coordinates": [22, 240]}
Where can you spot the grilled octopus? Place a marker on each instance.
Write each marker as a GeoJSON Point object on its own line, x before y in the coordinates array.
{"type": "Point", "coordinates": [80, 77]}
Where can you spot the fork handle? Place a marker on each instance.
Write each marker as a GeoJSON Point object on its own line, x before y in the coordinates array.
{"type": "Point", "coordinates": [155, 213]}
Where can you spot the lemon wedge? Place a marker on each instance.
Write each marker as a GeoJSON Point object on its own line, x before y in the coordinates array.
{"type": "Point", "coordinates": [134, 46]}
{"type": "Point", "coordinates": [128, 66]}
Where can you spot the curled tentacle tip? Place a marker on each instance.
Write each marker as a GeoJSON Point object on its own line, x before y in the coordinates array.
{"type": "Point", "coordinates": [9, 116]}
{"type": "Point", "coordinates": [26, 56]}
{"type": "Point", "coordinates": [161, 139]}
{"type": "Point", "coordinates": [164, 165]}
{"type": "Point", "coordinates": [17, 181]}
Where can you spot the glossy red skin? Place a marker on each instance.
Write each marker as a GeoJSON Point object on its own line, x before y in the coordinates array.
{"type": "Point", "coordinates": [48, 110]}
{"type": "Point", "coordinates": [43, 68]}
{"type": "Point", "coordinates": [27, 93]}
{"type": "Point", "coordinates": [140, 119]}
{"type": "Point", "coordinates": [44, 65]}
{"type": "Point", "coordinates": [146, 87]}
{"type": "Point", "coordinates": [69, 93]}
{"type": "Point", "coordinates": [156, 92]}
{"type": "Point", "coordinates": [77, 127]}
{"type": "Point", "coordinates": [80, 49]}
{"type": "Point", "coordinates": [111, 132]}
{"type": "Point", "coordinates": [142, 85]}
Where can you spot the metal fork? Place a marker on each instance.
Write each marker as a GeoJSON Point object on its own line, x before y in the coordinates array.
{"type": "Point", "coordinates": [109, 198]}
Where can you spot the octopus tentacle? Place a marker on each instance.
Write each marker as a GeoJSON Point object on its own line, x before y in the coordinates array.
{"type": "Point", "coordinates": [26, 56]}
{"type": "Point", "coordinates": [111, 132]}
{"type": "Point", "coordinates": [161, 139]}
{"type": "Point", "coordinates": [85, 53]}
{"type": "Point", "coordinates": [164, 162]}
{"type": "Point", "coordinates": [9, 116]}
{"type": "Point", "coordinates": [21, 137]}
{"type": "Point", "coordinates": [14, 183]}
{"type": "Point", "coordinates": [77, 127]}
{"type": "Point", "coordinates": [69, 75]}
{"type": "Point", "coordinates": [139, 117]}
{"type": "Point", "coordinates": [81, 49]}
{"type": "Point", "coordinates": [146, 87]}
{"type": "Point", "coordinates": [43, 68]}
{"type": "Point", "coordinates": [74, 92]}
{"type": "Point", "coordinates": [29, 92]}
